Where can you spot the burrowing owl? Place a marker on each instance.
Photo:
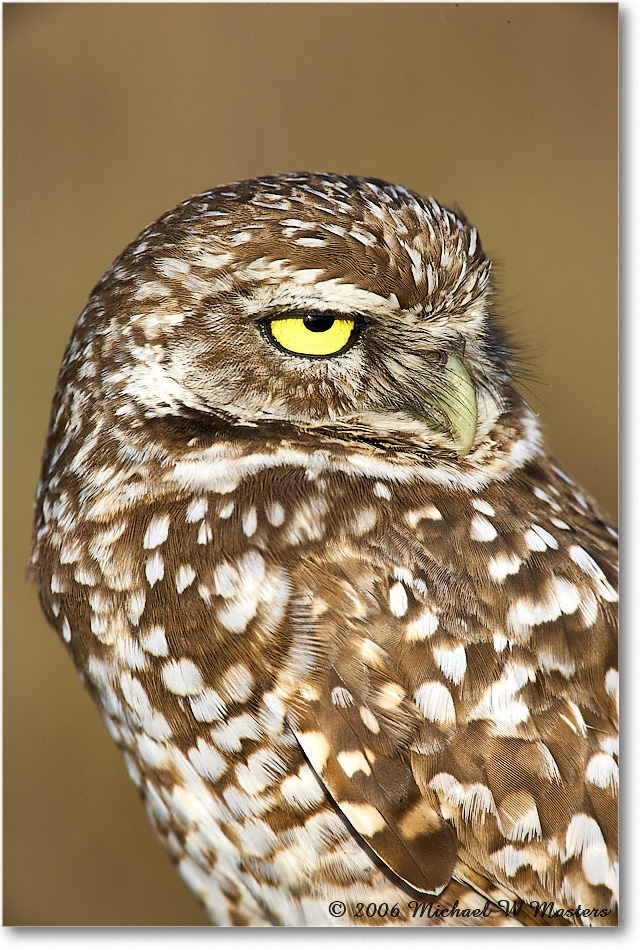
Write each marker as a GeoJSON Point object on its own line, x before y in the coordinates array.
{"type": "Point", "coordinates": [352, 626]}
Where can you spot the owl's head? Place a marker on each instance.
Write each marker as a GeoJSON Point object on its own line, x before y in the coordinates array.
{"type": "Point", "coordinates": [311, 300]}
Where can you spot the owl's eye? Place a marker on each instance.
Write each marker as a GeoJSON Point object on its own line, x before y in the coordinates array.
{"type": "Point", "coordinates": [315, 334]}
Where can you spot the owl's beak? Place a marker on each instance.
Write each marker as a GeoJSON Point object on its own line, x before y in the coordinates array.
{"type": "Point", "coordinates": [460, 404]}
{"type": "Point", "coordinates": [452, 404]}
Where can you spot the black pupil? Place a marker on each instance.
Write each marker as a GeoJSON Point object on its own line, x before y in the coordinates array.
{"type": "Point", "coordinates": [318, 323]}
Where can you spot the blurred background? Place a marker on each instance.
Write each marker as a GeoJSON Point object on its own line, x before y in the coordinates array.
{"type": "Point", "coordinates": [116, 112]}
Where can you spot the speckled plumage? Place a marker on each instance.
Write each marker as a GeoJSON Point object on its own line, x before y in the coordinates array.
{"type": "Point", "coordinates": [347, 655]}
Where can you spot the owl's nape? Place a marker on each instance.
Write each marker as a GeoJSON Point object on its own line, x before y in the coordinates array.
{"type": "Point", "coordinates": [353, 627]}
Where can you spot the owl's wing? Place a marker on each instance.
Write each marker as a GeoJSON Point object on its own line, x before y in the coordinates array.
{"type": "Point", "coordinates": [356, 724]}
{"type": "Point", "coordinates": [352, 735]}
{"type": "Point", "coordinates": [376, 794]}
{"type": "Point", "coordinates": [490, 706]}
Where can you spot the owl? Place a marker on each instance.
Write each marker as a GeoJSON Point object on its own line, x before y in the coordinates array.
{"type": "Point", "coordinates": [351, 624]}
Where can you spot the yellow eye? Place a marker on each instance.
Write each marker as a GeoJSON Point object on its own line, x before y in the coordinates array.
{"type": "Point", "coordinates": [315, 334]}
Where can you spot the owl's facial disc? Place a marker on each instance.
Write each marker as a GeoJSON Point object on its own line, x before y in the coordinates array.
{"type": "Point", "coordinates": [441, 396]}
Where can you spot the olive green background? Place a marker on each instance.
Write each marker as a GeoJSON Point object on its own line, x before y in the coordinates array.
{"type": "Point", "coordinates": [114, 113]}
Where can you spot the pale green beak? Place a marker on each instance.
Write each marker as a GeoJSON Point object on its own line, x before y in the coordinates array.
{"type": "Point", "coordinates": [452, 404]}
